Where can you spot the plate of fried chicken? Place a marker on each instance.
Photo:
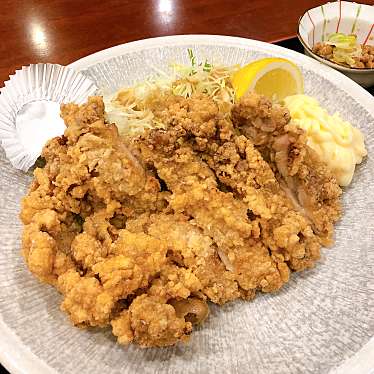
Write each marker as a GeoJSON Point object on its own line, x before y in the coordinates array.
{"type": "Point", "coordinates": [217, 242]}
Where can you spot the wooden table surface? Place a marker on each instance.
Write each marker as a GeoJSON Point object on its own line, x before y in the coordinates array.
{"type": "Point", "coordinates": [61, 31]}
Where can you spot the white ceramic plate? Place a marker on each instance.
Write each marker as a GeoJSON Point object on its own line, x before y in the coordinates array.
{"type": "Point", "coordinates": [322, 321]}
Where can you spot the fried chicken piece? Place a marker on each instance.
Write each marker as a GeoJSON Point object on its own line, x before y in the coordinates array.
{"type": "Point", "coordinates": [283, 230]}
{"type": "Point", "coordinates": [85, 299]}
{"type": "Point", "coordinates": [298, 168]}
{"type": "Point", "coordinates": [185, 174]}
{"type": "Point", "coordinates": [90, 166]}
{"type": "Point", "coordinates": [95, 145]}
{"type": "Point", "coordinates": [38, 197]}
{"type": "Point", "coordinates": [174, 323]}
{"type": "Point", "coordinates": [41, 198]}
{"type": "Point", "coordinates": [219, 214]}
{"type": "Point", "coordinates": [133, 260]}
{"type": "Point", "coordinates": [190, 248]}
{"type": "Point", "coordinates": [197, 115]}
{"type": "Point", "coordinates": [121, 328]}
{"type": "Point", "coordinates": [40, 255]}
{"type": "Point", "coordinates": [40, 249]}
{"type": "Point", "coordinates": [137, 257]}
{"type": "Point", "coordinates": [175, 282]}
{"type": "Point", "coordinates": [155, 324]}
{"type": "Point", "coordinates": [240, 167]}
{"type": "Point", "coordinates": [87, 250]}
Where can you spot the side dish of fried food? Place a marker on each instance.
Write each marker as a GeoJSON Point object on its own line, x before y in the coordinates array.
{"type": "Point", "coordinates": [140, 232]}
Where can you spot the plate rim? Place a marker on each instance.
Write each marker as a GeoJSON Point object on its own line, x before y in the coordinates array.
{"type": "Point", "coordinates": [21, 360]}
{"type": "Point", "coordinates": [16, 357]}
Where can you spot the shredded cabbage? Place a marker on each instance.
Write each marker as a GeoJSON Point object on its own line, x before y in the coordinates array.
{"type": "Point", "coordinates": [128, 107]}
{"type": "Point", "coordinates": [346, 48]}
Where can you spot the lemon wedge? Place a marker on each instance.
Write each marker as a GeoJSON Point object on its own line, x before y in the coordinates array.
{"type": "Point", "coordinates": [273, 77]}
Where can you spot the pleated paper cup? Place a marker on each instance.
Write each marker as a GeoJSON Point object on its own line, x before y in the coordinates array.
{"type": "Point", "coordinates": [30, 108]}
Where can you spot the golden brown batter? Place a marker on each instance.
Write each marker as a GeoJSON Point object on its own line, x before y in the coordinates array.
{"type": "Point", "coordinates": [141, 232]}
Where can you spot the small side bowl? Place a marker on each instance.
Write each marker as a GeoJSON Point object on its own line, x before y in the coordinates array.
{"type": "Point", "coordinates": [340, 16]}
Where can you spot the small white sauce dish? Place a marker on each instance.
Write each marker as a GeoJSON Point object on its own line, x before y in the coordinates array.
{"type": "Point", "coordinates": [30, 108]}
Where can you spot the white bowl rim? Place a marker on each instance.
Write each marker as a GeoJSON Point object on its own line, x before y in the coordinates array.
{"type": "Point", "coordinates": [325, 60]}
{"type": "Point", "coordinates": [16, 356]}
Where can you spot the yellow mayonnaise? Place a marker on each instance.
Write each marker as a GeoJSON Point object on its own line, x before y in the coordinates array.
{"type": "Point", "coordinates": [336, 141]}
